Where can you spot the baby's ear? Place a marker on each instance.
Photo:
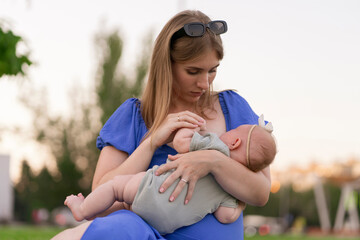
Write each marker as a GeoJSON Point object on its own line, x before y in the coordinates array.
{"type": "Point", "coordinates": [235, 144]}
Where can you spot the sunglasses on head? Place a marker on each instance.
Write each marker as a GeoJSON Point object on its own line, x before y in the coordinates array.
{"type": "Point", "coordinates": [197, 29]}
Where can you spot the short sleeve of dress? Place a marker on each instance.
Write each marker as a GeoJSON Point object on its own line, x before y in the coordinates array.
{"type": "Point", "coordinates": [124, 129]}
{"type": "Point", "coordinates": [236, 109]}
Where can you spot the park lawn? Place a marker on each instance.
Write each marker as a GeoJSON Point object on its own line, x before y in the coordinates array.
{"type": "Point", "coordinates": [28, 232]}
{"type": "Point", "coordinates": [298, 237]}
{"type": "Point", "coordinates": [46, 233]}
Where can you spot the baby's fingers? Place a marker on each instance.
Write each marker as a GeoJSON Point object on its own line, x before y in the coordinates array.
{"type": "Point", "coordinates": [174, 157]}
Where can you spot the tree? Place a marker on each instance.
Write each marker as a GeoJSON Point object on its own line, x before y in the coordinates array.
{"type": "Point", "coordinates": [72, 139]}
{"type": "Point", "coordinates": [289, 204]}
{"type": "Point", "coordinates": [112, 89]}
{"type": "Point", "coordinates": [58, 134]}
{"type": "Point", "coordinates": [11, 63]}
{"type": "Point", "coordinates": [23, 193]}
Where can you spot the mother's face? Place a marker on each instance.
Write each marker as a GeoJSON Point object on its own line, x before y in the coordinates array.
{"type": "Point", "coordinates": [193, 78]}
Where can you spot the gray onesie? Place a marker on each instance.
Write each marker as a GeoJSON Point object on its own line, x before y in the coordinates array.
{"type": "Point", "coordinates": [165, 216]}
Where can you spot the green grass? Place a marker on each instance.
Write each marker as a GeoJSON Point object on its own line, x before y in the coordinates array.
{"type": "Point", "coordinates": [298, 237]}
{"type": "Point", "coordinates": [28, 232]}
{"type": "Point", "coordinates": [46, 233]}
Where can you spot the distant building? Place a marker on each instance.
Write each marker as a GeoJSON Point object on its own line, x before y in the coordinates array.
{"type": "Point", "coordinates": [6, 191]}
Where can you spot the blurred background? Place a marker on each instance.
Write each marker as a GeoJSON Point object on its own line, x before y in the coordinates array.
{"type": "Point", "coordinates": [65, 66]}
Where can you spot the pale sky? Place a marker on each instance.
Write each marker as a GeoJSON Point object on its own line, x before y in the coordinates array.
{"type": "Point", "coordinates": [295, 61]}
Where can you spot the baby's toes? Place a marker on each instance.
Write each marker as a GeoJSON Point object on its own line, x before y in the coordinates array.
{"type": "Point", "coordinates": [81, 196]}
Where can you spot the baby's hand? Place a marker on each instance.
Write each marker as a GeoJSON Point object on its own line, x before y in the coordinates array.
{"type": "Point", "coordinates": [203, 127]}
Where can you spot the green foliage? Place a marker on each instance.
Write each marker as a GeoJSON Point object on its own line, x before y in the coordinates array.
{"type": "Point", "coordinates": [23, 190]}
{"type": "Point", "coordinates": [67, 138]}
{"type": "Point", "coordinates": [333, 193]}
{"type": "Point", "coordinates": [298, 237]}
{"type": "Point", "coordinates": [290, 204]}
{"type": "Point", "coordinates": [71, 139]}
{"type": "Point", "coordinates": [11, 63]}
{"type": "Point", "coordinates": [112, 89]}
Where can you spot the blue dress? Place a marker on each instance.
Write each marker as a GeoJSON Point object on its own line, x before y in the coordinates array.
{"type": "Point", "coordinates": [124, 131]}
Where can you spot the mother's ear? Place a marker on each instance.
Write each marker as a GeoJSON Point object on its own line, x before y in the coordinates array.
{"type": "Point", "coordinates": [235, 144]}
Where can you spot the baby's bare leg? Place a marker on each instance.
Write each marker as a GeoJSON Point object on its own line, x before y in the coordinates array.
{"type": "Point", "coordinates": [74, 203]}
{"type": "Point", "coordinates": [129, 191]}
{"type": "Point", "coordinates": [121, 188]}
{"type": "Point", "coordinates": [228, 214]}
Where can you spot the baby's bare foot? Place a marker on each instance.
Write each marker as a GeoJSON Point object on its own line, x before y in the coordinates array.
{"type": "Point", "coordinates": [74, 203]}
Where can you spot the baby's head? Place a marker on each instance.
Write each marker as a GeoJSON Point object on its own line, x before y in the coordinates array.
{"type": "Point", "coordinates": [251, 145]}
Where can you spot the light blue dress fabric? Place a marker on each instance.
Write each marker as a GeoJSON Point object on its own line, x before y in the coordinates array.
{"type": "Point", "coordinates": [124, 130]}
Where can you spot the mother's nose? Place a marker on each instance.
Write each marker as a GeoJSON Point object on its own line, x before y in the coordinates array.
{"type": "Point", "coordinates": [203, 81]}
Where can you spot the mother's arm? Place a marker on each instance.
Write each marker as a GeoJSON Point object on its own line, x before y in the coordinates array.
{"type": "Point", "coordinates": [233, 177]}
{"type": "Point", "coordinates": [244, 184]}
{"type": "Point", "coordinates": [113, 162]}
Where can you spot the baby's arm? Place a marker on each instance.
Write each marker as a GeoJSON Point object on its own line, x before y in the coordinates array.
{"type": "Point", "coordinates": [228, 214]}
{"type": "Point", "coordinates": [182, 139]}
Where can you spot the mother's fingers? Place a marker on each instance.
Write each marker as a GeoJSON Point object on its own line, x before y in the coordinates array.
{"type": "Point", "coordinates": [182, 179]}
{"type": "Point", "coordinates": [169, 181]}
{"type": "Point", "coordinates": [180, 186]}
{"type": "Point", "coordinates": [183, 183]}
{"type": "Point", "coordinates": [173, 122]}
{"type": "Point", "coordinates": [189, 119]}
{"type": "Point", "coordinates": [165, 133]}
{"type": "Point", "coordinates": [190, 191]}
{"type": "Point", "coordinates": [165, 167]}
{"type": "Point", "coordinates": [187, 116]}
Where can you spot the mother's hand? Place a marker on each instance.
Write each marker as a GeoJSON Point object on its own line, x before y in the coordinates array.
{"type": "Point", "coordinates": [189, 167]}
{"type": "Point", "coordinates": [165, 133]}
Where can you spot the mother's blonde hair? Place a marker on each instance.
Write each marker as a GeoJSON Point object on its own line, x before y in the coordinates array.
{"type": "Point", "coordinates": [157, 96]}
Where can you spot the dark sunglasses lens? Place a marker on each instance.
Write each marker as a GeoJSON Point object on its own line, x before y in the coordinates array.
{"type": "Point", "coordinates": [217, 27]}
{"type": "Point", "coordinates": [195, 30]}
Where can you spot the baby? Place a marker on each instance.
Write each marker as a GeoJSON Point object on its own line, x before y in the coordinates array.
{"type": "Point", "coordinates": [251, 145]}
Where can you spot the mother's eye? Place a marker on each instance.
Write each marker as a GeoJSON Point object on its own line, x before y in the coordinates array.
{"type": "Point", "coordinates": [192, 72]}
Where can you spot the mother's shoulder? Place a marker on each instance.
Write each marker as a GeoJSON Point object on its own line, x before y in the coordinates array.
{"type": "Point", "coordinates": [230, 95]}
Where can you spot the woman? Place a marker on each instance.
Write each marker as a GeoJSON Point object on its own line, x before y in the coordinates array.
{"type": "Point", "coordinates": [178, 94]}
